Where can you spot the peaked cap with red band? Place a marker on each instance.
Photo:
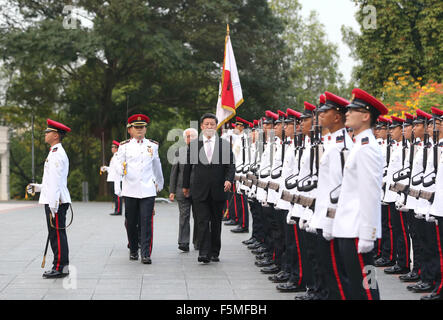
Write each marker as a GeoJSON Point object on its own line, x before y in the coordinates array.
{"type": "Point", "coordinates": [409, 119]}
{"type": "Point", "coordinates": [115, 143]}
{"type": "Point", "coordinates": [256, 123]}
{"type": "Point", "coordinates": [292, 115]}
{"type": "Point", "coordinates": [138, 120]}
{"type": "Point", "coordinates": [382, 122]}
{"type": "Point", "coordinates": [437, 113]}
{"type": "Point", "coordinates": [309, 110]}
{"type": "Point", "coordinates": [334, 102]}
{"type": "Point", "coordinates": [396, 121]}
{"type": "Point", "coordinates": [362, 99]}
{"type": "Point", "coordinates": [270, 117]}
{"type": "Point", "coordinates": [56, 126]}
{"type": "Point", "coordinates": [281, 117]}
{"type": "Point", "coordinates": [422, 117]}
{"type": "Point", "coordinates": [322, 99]}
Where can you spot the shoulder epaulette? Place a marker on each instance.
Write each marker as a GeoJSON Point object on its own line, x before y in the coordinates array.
{"type": "Point", "coordinates": [153, 141]}
{"type": "Point", "coordinates": [126, 141]}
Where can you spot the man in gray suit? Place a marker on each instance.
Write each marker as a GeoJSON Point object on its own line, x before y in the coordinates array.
{"type": "Point", "coordinates": [176, 192]}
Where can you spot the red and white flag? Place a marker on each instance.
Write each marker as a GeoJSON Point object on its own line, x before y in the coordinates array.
{"type": "Point", "coordinates": [230, 95]}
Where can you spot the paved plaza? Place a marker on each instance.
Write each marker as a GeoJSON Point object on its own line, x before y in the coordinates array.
{"type": "Point", "coordinates": [101, 270]}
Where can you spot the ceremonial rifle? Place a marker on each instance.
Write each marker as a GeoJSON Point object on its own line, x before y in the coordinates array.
{"type": "Point", "coordinates": [334, 199]}
{"type": "Point", "coordinates": [416, 182]}
{"type": "Point", "coordinates": [435, 135]}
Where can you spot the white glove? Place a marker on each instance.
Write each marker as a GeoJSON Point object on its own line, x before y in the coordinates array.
{"type": "Point", "coordinates": [365, 246]}
{"type": "Point", "coordinates": [33, 188]}
{"type": "Point", "coordinates": [309, 228]}
{"type": "Point", "coordinates": [288, 218]}
{"type": "Point", "coordinates": [429, 218]}
{"type": "Point", "coordinates": [53, 211]}
{"type": "Point", "coordinates": [302, 224]}
{"type": "Point", "coordinates": [327, 235]}
{"type": "Point", "coordinates": [104, 168]}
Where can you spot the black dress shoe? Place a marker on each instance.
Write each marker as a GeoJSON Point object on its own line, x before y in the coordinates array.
{"type": "Point", "coordinates": [249, 241]}
{"type": "Point", "coordinates": [184, 248]}
{"type": "Point", "coordinates": [396, 269]}
{"type": "Point", "coordinates": [254, 246]}
{"type": "Point", "coordinates": [240, 230]}
{"type": "Point", "coordinates": [133, 256]}
{"type": "Point", "coordinates": [280, 277]}
{"type": "Point", "coordinates": [115, 214]}
{"type": "Point", "coordinates": [146, 260]}
{"type": "Point", "coordinates": [264, 263]}
{"type": "Point", "coordinates": [231, 223]}
{"type": "Point", "coordinates": [52, 274]}
{"type": "Point", "coordinates": [215, 259]}
{"type": "Point", "coordinates": [382, 262]}
{"type": "Point", "coordinates": [203, 259]}
{"type": "Point", "coordinates": [413, 285]}
{"type": "Point", "coordinates": [259, 250]}
{"type": "Point", "coordinates": [289, 287]}
{"type": "Point", "coordinates": [432, 296]}
{"type": "Point", "coordinates": [422, 287]}
{"type": "Point", "coordinates": [265, 255]}
{"type": "Point", "coordinates": [410, 277]}
{"type": "Point", "coordinates": [272, 269]}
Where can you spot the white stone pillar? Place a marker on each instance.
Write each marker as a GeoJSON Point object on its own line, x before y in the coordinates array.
{"type": "Point", "coordinates": [4, 163]}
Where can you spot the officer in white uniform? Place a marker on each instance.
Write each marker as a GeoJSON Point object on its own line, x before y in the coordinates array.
{"type": "Point", "coordinates": [357, 222]}
{"type": "Point", "coordinates": [436, 210]}
{"type": "Point", "coordinates": [114, 178]}
{"type": "Point", "coordinates": [54, 194]}
{"type": "Point", "coordinates": [142, 175]}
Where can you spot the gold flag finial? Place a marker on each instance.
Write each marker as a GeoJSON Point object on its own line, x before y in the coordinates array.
{"type": "Point", "coordinates": [227, 29]}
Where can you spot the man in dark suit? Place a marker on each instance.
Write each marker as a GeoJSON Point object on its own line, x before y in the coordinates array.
{"type": "Point", "coordinates": [213, 170]}
{"type": "Point", "coordinates": [176, 192]}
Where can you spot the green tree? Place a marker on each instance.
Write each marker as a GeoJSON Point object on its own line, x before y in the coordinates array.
{"type": "Point", "coordinates": [160, 57]}
{"type": "Point", "coordinates": [407, 34]}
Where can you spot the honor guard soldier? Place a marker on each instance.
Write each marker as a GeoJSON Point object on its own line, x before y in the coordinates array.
{"type": "Point", "coordinates": [264, 175]}
{"type": "Point", "coordinates": [330, 178]}
{"type": "Point", "coordinates": [357, 222]}
{"type": "Point", "coordinates": [399, 223]}
{"type": "Point", "coordinates": [240, 204]}
{"type": "Point", "coordinates": [436, 210]}
{"type": "Point", "coordinates": [290, 278]}
{"type": "Point", "coordinates": [142, 178]}
{"type": "Point", "coordinates": [388, 246]}
{"type": "Point", "coordinates": [114, 178]}
{"type": "Point", "coordinates": [54, 194]}
{"type": "Point", "coordinates": [277, 219]}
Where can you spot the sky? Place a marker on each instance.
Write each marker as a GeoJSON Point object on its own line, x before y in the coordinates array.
{"type": "Point", "coordinates": [333, 14]}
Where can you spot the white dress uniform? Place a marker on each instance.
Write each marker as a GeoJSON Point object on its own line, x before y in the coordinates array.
{"type": "Point", "coordinates": [54, 187]}
{"type": "Point", "coordinates": [264, 169]}
{"type": "Point", "coordinates": [273, 195]}
{"type": "Point", "coordinates": [417, 167]}
{"type": "Point", "coordinates": [358, 212]}
{"type": "Point", "coordinates": [144, 171]}
{"type": "Point", "coordinates": [289, 166]}
{"type": "Point", "coordinates": [437, 206]}
{"type": "Point", "coordinates": [297, 209]}
{"type": "Point", "coordinates": [140, 184]}
{"type": "Point", "coordinates": [423, 205]}
{"type": "Point", "coordinates": [395, 164]}
{"type": "Point", "coordinates": [330, 177]}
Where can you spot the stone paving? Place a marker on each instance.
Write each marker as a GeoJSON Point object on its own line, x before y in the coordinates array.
{"type": "Point", "coordinates": [101, 270]}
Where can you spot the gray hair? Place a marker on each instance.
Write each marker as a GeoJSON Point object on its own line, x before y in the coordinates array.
{"type": "Point", "coordinates": [194, 133]}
